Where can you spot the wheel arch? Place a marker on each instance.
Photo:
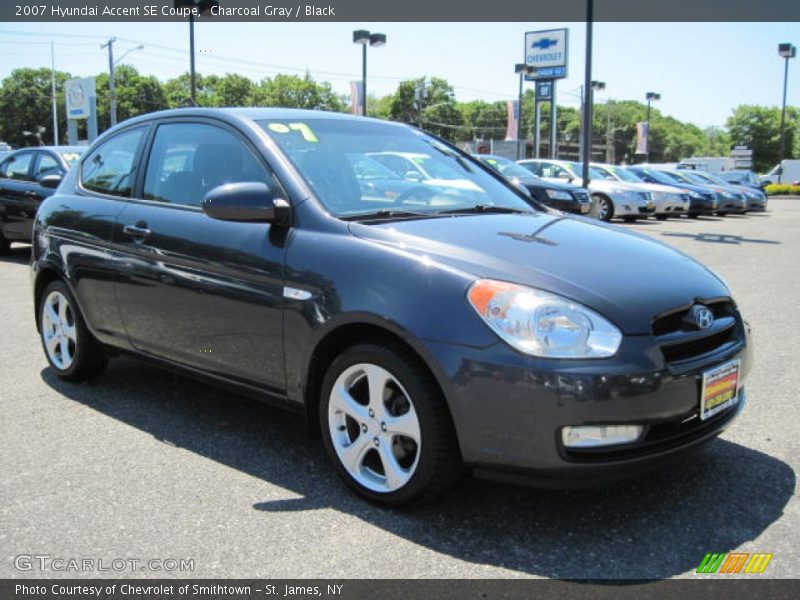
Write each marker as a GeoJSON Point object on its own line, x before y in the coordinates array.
{"type": "Point", "coordinates": [348, 334]}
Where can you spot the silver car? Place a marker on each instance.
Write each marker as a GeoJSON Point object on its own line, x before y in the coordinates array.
{"type": "Point", "coordinates": [669, 201]}
{"type": "Point", "coordinates": [620, 199]}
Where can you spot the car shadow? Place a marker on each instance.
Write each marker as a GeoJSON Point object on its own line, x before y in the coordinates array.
{"type": "Point", "coordinates": [20, 254]}
{"type": "Point", "coordinates": [656, 526]}
{"type": "Point", "coordinates": [720, 238]}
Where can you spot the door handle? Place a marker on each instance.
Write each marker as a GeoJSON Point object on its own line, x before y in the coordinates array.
{"type": "Point", "coordinates": [30, 194]}
{"type": "Point", "coordinates": [137, 231]}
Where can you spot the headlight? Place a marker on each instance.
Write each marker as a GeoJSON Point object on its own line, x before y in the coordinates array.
{"type": "Point", "coordinates": [542, 324]}
{"type": "Point", "coordinates": [727, 195]}
{"type": "Point", "coordinates": [558, 195]}
{"type": "Point", "coordinates": [694, 195]}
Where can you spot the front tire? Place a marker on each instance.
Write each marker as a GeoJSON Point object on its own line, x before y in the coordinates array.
{"type": "Point", "coordinates": [5, 245]}
{"type": "Point", "coordinates": [386, 427]}
{"type": "Point", "coordinates": [70, 348]}
{"type": "Point", "coordinates": [605, 207]}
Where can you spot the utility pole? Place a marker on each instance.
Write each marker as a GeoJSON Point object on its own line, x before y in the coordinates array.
{"type": "Point", "coordinates": [785, 51]}
{"type": "Point", "coordinates": [112, 99]}
{"type": "Point", "coordinates": [53, 92]}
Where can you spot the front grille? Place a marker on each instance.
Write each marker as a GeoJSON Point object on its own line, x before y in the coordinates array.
{"type": "Point", "coordinates": [680, 340]}
{"type": "Point", "coordinates": [581, 196]}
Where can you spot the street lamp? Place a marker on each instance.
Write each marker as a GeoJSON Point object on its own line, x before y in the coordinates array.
{"type": "Point", "coordinates": [202, 7]}
{"type": "Point", "coordinates": [785, 51]}
{"type": "Point", "coordinates": [112, 96]}
{"type": "Point", "coordinates": [365, 38]}
{"type": "Point", "coordinates": [651, 97]}
{"type": "Point", "coordinates": [586, 134]}
{"type": "Point", "coordinates": [521, 69]}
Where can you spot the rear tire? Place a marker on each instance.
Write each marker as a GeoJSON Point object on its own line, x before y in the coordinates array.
{"type": "Point", "coordinates": [5, 245]}
{"type": "Point", "coordinates": [70, 348]}
{"type": "Point", "coordinates": [662, 217]}
{"type": "Point", "coordinates": [386, 427]}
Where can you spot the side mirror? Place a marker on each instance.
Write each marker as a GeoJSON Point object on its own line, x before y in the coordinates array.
{"type": "Point", "coordinates": [50, 181]}
{"type": "Point", "coordinates": [246, 202]}
{"type": "Point", "coordinates": [413, 176]}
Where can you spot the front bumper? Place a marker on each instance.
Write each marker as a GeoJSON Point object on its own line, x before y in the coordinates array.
{"type": "Point", "coordinates": [509, 409]}
{"type": "Point", "coordinates": [628, 205]}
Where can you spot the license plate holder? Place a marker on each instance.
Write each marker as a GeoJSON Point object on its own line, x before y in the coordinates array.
{"type": "Point", "coordinates": [720, 389]}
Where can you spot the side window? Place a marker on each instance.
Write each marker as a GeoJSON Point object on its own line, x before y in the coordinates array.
{"type": "Point", "coordinates": [47, 166]}
{"type": "Point", "coordinates": [16, 167]}
{"type": "Point", "coordinates": [189, 159]}
{"type": "Point", "coordinates": [110, 168]}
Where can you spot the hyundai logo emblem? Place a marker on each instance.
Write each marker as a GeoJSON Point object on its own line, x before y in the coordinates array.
{"type": "Point", "coordinates": [702, 316]}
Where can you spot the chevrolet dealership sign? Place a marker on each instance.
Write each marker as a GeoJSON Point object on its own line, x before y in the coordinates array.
{"type": "Point", "coordinates": [546, 51]}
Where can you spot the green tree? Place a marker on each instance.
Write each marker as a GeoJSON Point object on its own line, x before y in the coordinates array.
{"type": "Point", "coordinates": [233, 90]}
{"type": "Point", "coordinates": [430, 104]}
{"type": "Point", "coordinates": [25, 104]}
{"type": "Point", "coordinates": [297, 92]}
{"type": "Point", "coordinates": [136, 94]}
{"type": "Point", "coordinates": [759, 128]}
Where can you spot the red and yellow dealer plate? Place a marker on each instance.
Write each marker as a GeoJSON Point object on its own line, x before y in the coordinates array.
{"type": "Point", "coordinates": [720, 389]}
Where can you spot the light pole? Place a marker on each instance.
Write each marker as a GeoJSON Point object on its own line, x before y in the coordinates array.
{"type": "Point", "coordinates": [786, 51]}
{"type": "Point", "coordinates": [521, 69]}
{"type": "Point", "coordinates": [365, 38]}
{"type": "Point", "coordinates": [200, 7]}
{"type": "Point", "coordinates": [587, 106]}
{"type": "Point", "coordinates": [651, 97]}
{"type": "Point", "coordinates": [112, 95]}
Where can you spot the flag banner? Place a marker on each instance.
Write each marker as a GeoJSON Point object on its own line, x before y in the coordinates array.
{"type": "Point", "coordinates": [642, 137]}
{"type": "Point", "coordinates": [356, 90]}
{"type": "Point", "coordinates": [513, 120]}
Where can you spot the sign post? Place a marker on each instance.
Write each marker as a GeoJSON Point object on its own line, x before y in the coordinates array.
{"type": "Point", "coordinates": [81, 100]}
{"type": "Point", "coordinates": [547, 51]}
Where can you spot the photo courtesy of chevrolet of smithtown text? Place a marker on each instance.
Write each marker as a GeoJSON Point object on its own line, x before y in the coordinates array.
{"type": "Point", "coordinates": [399, 299]}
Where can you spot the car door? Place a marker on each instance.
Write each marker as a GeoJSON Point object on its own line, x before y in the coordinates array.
{"type": "Point", "coordinates": [16, 191]}
{"type": "Point", "coordinates": [194, 290]}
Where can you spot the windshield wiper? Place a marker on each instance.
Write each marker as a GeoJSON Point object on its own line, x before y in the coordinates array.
{"type": "Point", "coordinates": [387, 213]}
{"type": "Point", "coordinates": [483, 208]}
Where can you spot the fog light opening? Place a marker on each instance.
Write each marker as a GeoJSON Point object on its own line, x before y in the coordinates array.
{"type": "Point", "coordinates": [595, 436]}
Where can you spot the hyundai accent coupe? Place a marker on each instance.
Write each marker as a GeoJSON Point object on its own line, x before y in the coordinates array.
{"type": "Point", "coordinates": [422, 331]}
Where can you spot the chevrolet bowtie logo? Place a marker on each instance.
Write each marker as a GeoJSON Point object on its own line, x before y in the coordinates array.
{"type": "Point", "coordinates": [544, 43]}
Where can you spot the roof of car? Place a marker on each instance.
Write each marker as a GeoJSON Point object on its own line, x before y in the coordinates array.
{"type": "Point", "coordinates": [256, 113]}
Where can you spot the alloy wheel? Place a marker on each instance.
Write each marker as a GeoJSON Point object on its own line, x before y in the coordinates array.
{"type": "Point", "coordinates": [374, 428]}
{"type": "Point", "coordinates": [58, 330]}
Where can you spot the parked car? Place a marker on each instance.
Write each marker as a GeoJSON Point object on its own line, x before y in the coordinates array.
{"type": "Point", "coordinates": [27, 176]}
{"type": "Point", "coordinates": [669, 202]}
{"type": "Point", "coordinates": [729, 200]}
{"type": "Point", "coordinates": [561, 196]}
{"type": "Point", "coordinates": [417, 341]}
{"type": "Point", "coordinates": [756, 200]}
{"type": "Point", "coordinates": [742, 177]}
{"type": "Point", "coordinates": [702, 201]}
{"type": "Point", "coordinates": [611, 199]}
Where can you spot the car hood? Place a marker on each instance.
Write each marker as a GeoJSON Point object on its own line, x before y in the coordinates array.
{"type": "Point", "coordinates": [624, 275]}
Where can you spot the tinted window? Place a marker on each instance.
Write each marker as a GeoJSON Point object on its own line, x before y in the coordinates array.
{"type": "Point", "coordinates": [17, 166]}
{"type": "Point", "coordinates": [110, 168]}
{"type": "Point", "coordinates": [47, 166]}
{"type": "Point", "coordinates": [189, 159]}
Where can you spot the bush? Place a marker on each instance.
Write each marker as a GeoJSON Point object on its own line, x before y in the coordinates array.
{"type": "Point", "coordinates": [777, 189]}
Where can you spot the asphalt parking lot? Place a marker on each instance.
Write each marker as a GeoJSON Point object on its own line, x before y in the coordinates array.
{"type": "Point", "coordinates": [145, 464]}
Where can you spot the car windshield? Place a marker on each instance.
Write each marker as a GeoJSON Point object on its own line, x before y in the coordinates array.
{"type": "Point", "coordinates": [594, 172]}
{"type": "Point", "coordinates": [709, 178]}
{"type": "Point", "coordinates": [507, 168]}
{"type": "Point", "coordinates": [366, 167]}
{"type": "Point", "coordinates": [688, 177]}
{"type": "Point", "coordinates": [624, 175]}
{"type": "Point", "coordinates": [662, 176]}
{"type": "Point", "coordinates": [70, 156]}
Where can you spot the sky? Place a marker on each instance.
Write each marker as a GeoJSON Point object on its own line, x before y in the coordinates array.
{"type": "Point", "coordinates": [701, 70]}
